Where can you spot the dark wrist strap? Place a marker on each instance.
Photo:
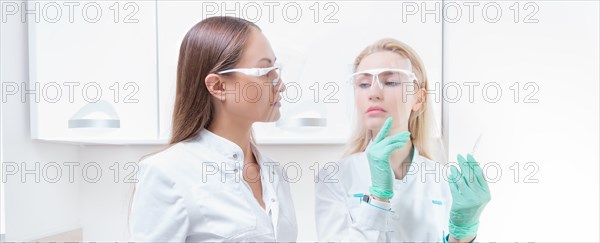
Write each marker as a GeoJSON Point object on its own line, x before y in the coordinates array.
{"type": "Point", "coordinates": [446, 239]}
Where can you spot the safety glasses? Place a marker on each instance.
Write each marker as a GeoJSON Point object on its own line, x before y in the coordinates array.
{"type": "Point", "coordinates": [385, 77]}
{"type": "Point", "coordinates": [272, 73]}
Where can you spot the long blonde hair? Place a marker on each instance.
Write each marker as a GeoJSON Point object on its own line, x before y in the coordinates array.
{"type": "Point", "coordinates": [419, 121]}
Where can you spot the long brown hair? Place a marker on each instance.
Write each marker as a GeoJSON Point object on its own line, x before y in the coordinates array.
{"type": "Point", "coordinates": [212, 45]}
{"type": "Point", "coordinates": [419, 122]}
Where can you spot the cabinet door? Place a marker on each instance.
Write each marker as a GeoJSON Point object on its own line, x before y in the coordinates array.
{"type": "Point", "coordinates": [175, 18]}
{"type": "Point", "coordinates": [93, 68]}
{"type": "Point", "coordinates": [316, 43]}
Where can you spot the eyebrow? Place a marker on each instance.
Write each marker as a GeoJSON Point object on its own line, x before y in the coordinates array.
{"type": "Point", "coordinates": [268, 60]}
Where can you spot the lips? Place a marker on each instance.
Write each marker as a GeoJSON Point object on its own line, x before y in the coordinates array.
{"type": "Point", "coordinates": [375, 108]}
{"type": "Point", "coordinates": [277, 102]}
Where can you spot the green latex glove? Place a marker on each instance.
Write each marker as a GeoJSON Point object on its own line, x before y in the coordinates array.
{"type": "Point", "coordinates": [378, 154]}
{"type": "Point", "coordinates": [470, 194]}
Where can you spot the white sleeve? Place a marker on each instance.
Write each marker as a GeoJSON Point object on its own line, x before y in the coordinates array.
{"type": "Point", "coordinates": [334, 222]}
{"type": "Point", "coordinates": [158, 212]}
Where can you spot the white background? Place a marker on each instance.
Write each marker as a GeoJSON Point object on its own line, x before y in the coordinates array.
{"type": "Point", "coordinates": [559, 134]}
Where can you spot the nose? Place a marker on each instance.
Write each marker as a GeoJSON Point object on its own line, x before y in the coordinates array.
{"type": "Point", "coordinates": [375, 91]}
{"type": "Point", "coordinates": [280, 86]}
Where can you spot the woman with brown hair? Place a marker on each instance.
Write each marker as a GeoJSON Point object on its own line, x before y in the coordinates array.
{"type": "Point", "coordinates": [211, 183]}
{"type": "Point", "coordinates": [372, 197]}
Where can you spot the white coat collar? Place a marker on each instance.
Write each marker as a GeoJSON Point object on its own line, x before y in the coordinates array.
{"type": "Point", "coordinates": [217, 144]}
{"type": "Point", "coordinates": [224, 147]}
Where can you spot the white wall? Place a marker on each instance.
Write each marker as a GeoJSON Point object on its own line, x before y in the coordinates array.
{"type": "Point", "coordinates": [33, 209]}
{"type": "Point", "coordinates": [559, 133]}
{"type": "Point", "coordinates": [105, 203]}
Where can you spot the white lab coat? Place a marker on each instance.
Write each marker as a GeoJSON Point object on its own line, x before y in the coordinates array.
{"type": "Point", "coordinates": [419, 209]}
{"type": "Point", "coordinates": [194, 191]}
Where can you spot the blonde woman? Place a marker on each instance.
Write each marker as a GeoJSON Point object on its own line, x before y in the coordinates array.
{"type": "Point", "coordinates": [211, 183]}
{"type": "Point", "coordinates": [371, 197]}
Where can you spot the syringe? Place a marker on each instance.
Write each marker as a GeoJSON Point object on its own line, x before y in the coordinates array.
{"type": "Point", "coordinates": [476, 143]}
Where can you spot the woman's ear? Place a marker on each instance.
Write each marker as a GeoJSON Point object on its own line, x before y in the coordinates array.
{"type": "Point", "coordinates": [216, 86]}
{"type": "Point", "coordinates": [420, 101]}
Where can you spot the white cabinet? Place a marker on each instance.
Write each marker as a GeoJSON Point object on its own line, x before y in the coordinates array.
{"type": "Point", "coordinates": [316, 42]}
{"type": "Point", "coordinates": [93, 71]}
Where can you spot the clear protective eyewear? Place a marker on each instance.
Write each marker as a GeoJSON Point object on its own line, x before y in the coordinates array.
{"type": "Point", "coordinates": [386, 77]}
{"type": "Point", "coordinates": [273, 73]}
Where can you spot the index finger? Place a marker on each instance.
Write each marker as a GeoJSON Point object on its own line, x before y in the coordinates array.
{"type": "Point", "coordinates": [384, 130]}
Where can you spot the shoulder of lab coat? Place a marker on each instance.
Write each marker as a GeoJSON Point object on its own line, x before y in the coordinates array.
{"type": "Point", "coordinates": [158, 210]}
{"type": "Point", "coordinates": [157, 190]}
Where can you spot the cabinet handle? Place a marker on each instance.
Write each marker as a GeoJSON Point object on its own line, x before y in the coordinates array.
{"type": "Point", "coordinates": [79, 120]}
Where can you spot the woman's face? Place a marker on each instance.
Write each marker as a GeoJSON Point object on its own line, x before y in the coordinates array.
{"type": "Point", "coordinates": [375, 104]}
{"type": "Point", "coordinates": [249, 98]}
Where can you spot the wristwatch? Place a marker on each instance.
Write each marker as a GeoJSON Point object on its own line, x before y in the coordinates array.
{"type": "Point", "coordinates": [376, 203]}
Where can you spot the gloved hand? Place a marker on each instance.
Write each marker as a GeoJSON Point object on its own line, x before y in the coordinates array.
{"type": "Point", "coordinates": [470, 194]}
{"type": "Point", "coordinates": [378, 154]}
